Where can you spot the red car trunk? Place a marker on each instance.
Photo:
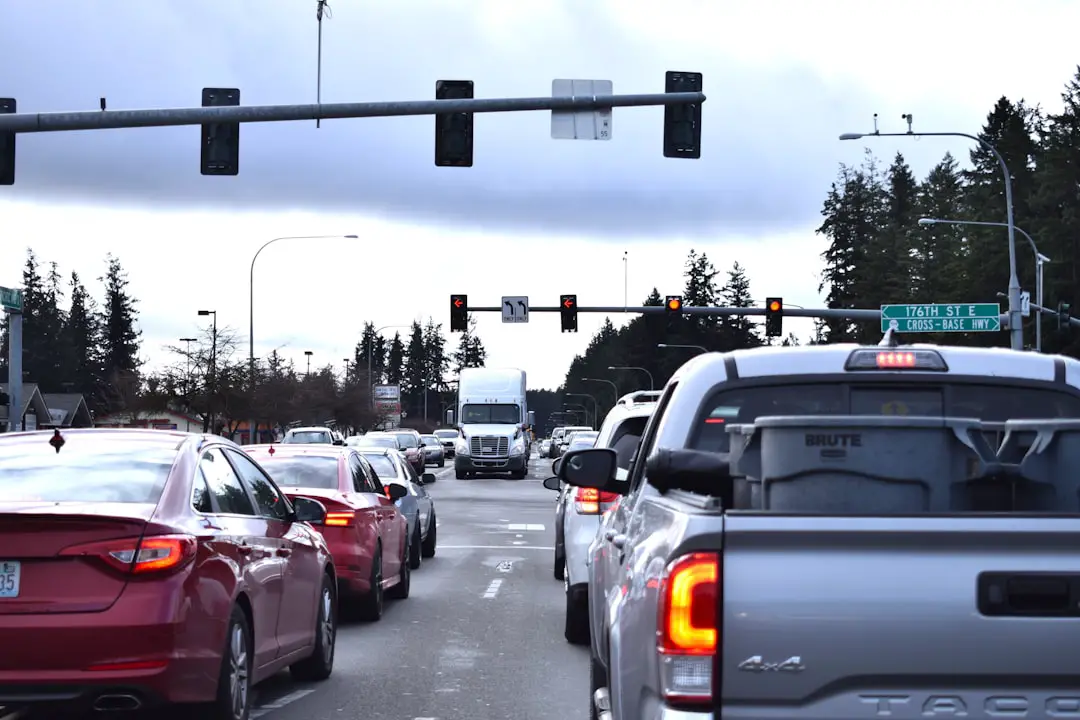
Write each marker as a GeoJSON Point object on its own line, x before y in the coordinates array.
{"type": "Point", "coordinates": [66, 557]}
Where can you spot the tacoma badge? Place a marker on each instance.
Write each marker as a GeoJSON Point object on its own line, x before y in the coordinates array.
{"type": "Point", "coordinates": [756, 664]}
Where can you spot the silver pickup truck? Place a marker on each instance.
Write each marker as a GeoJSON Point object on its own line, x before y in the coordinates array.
{"type": "Point", "coordinates": [843, 532]}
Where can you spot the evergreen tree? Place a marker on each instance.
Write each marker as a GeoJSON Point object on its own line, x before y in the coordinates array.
{"type": "Point", "coordinates": [120, 333]}
{"type": "Point", "coordinates": [470, 351]}
{"type": "Point", "coordinates": [737, 331]}
{"type": "Point", "coordinates": [36, 344]}
{"type": "Point", "coordinates": [940, 266]}
{"type": "Point", "coordinates": [49, 324]}
{"type": "Point", "coordinates": [415, 378]}
{"type": "Point", "coordinates": [395, 360]}
{"type": "Point", "coordinates": [371, 346]}
{"type": "Point", "coordinates": [435, 357]}
{"type": "Point", "coordinates": [899, 232]}
{"type": "Point", "coordinates": [80, 341]}
{"type": "Point", "coordinates": [700, 291]}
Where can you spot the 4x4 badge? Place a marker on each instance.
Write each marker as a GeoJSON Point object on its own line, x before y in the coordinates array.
{"type": "Point", "coordinates": [756, 664]}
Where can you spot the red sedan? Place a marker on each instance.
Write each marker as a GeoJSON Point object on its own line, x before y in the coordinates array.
{"type": "Point", "coordinates": [367, 534]}
{"type": "Point", "coordinates": [146, 567]}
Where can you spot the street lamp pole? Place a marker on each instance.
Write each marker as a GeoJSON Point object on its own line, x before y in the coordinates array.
{"type": "Point", "coordinates": [187, 372]}
{"type": "Point", "coordinates": [614, 387]}
{"type": "Point", "coordinates": [1016, 331]}
{"type": "Point", "coordinates": [596, 405]}
{"type": "Point", "coordinates": [1040, 260]}
{"type": "Point", "coordinates": [652, 385]}
{"type": "Point", "coordinates": [309, 353]}
{"type": "Point", "coordinates": [213, 367]}
{"type": "Point", "coordinates": [688, 347]}
{"type": "Point", "coordinates": [252, 427]}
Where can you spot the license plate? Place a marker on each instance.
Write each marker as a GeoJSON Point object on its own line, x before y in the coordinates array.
{"type": "Point", "coordinates": [9, 579]}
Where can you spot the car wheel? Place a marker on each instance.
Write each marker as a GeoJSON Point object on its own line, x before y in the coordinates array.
{"type": "Point", "coordinates": [597, 679]}
{"type": "Point", "coordinates": [371, 603]}
{"type": "Point", "coordinates": [414, 548]}
{"type": "Point", "coordinates": [404, 585]}
{"type": "Point", "coordinates": [576, 630]}
{"type": "Point", "coordinates": [428, 547]}
{"type": "Point", "coordinates": [442, 463]}
{"type": "Point", "coordinates": [233, 701]}
{"type": "Point", "coordinates": [320, 664]}
{"type": "Point", "coordinates": [560, 567]}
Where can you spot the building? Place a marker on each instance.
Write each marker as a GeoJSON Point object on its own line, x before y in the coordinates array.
{"type": "Point", "coordinates": [34, 412]}
{"type": "Point", "coordinates": [162, 420]}
{"type": "Point", "coordinates": [67, 410]}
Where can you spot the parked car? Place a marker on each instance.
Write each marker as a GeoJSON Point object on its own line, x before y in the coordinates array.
{"type": "Point", "coordinates": [448, 437]}
{"type": "Point", "coordinates": [147, 567]}
{"type": "Point", "coordinates": [433, 451]}
{"type": "Point", "coordinates": [313, 435]}
{"type": "Point", "coordinates": [366, 532]}
{"type": "Point", "coordinates": [417, 507]}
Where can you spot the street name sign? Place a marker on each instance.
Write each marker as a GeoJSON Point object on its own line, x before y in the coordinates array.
{"type": "Point", "coordinates": [11, 299]}
{"type": "Point", "coordinates": [958, 317]}
{"type": "Point", "coordinates": [581, 124]}
{"type": "Point", "coordinates": [515, 309]}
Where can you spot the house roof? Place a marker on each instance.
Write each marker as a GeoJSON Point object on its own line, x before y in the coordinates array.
{"type": "Point", "coordinates": [31, 397]}
{"type": "Point", "coordinates": [67, 402]}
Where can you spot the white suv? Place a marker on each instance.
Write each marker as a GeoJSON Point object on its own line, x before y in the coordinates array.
{"type": "Point", "coordinates": [578, 510]}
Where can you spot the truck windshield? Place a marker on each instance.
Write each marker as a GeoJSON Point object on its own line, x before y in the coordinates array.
{"type": "Point", "coordinates": [989, 402]}
{"type": "Point", "coordinates": [491, 414]}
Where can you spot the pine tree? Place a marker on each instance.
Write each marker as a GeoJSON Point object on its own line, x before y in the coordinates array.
{"type": "Point", "coordinates": [395, 360]}
{"type": "Point", "coordinates": [414, 377]}
{"type": "Point", "coordinates": [81, 342]}
{"type": "Point", "coordinates": [37, 350]}
{"type": "Point", "coordinates": [899, 235]}
{"type": "Point", "coordinates": [120, 338]}
{"type": "Point", "coordinates": [737, 331]}
{"type": "Point", "coordinates": [435, 355]}
{"type": "Point", "coordinates": [49, 324]}
{"type": "Point", "coordinates": [939, 258]}
{"type": "Point", "coordinates": [470, 351]}
{"type": "Point", "coordinates": [700, 291]}
{"type": "Point", "coordinates": [369, 347]}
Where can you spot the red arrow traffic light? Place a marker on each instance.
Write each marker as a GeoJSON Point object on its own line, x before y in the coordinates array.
{"type": "Point", "coordinates": [459, 313]}
{"type": "Point", "coordinates": [568, 312]}
{"type": "Point", "coordinates": [458, 303]}
{"type": "Point", "coordinates": [568, 303]}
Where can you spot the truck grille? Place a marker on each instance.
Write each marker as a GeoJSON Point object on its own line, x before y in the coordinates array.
{"type": "Point", "coordinates": [489, 445]}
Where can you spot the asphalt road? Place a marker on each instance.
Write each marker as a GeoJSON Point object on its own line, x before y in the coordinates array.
{"type": "Point", "coordinates": [481, 635]}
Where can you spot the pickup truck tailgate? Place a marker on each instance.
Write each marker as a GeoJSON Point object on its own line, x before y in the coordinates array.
{"type": "Point", "coordinates": [855, 617]}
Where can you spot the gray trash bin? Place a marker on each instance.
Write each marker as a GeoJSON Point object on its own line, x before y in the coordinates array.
{"type": "Point", "coordinates": [860, 465]}
{"type": "Point", "coordinates": [1048, 452]}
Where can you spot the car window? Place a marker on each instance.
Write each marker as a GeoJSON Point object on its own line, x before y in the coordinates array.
{"type": "Point", "coordinates": [430, 440]}
{"type": "Point", "coordinates": [309, 437]}
{"type": "Point", "coordinates": [306, 471]}
{"type": "Point", "coordinates": [371, 475]}
{"type": "Point", "coordinates": [200, 494]}
{"type": "Point", "coordinates": [360, 480]}
{"type": "Point", "coordinates": [268, 499]}
{"type": "Point", "coordinates": [382, 465]}
{"type": "Point", "coordinates": [637, 474]}
{"type": "Point", "coordinates": [225, 486]}
{"type": "Point", "coordinates": [626, 438]}
{"type": "Point", "coordinates": [407, 440]}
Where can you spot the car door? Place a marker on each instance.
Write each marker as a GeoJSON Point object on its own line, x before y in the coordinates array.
{"type": "Point", "coordinates": [297, 546]}
{"type": "Point", "coordinates": [261, 572]}
{"type": "Point", "coordinates": [419, 506]}
{"type": "Point", "coordinates": [386, 513]}
{"type": "Point", "coordinates": [370, 511]}
{"type": "Point", "coordinates": [426, 505]}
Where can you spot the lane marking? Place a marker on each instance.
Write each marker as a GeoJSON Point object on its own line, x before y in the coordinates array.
{"type": "Point", "coordinates": [280, 703]}
{"type": "Point", "coordinates": [496, 547]}
{"type": "Point", "coordinates": [530, 527]}
{"type": "Point", "coordinates": [492, 590]}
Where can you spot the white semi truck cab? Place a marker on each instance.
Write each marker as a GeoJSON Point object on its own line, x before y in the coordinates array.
{"type": "Point", "coordinates": [493, 420]}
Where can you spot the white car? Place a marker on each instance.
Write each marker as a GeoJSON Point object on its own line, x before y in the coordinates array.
{"type": "Point", "coordinates": [578, 510]}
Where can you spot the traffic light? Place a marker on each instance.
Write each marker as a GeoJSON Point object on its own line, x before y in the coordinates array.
{"type": "Point", "coordinates": [454, 131]}
{"type": "Point", "coordinates": [459, 313]}
{"type": "Point", "coordinates": [1063, 311]}
{"type": "Point", "coordinates": [7, 146]}
{"type": "Point", "coordinates": [682, 123]}
{"type": "Point", "coordinates": [568, 312]}
{"type": "Point", "coordinates": [673, 303]}
{"type": "Point", "coordinates": [220, 141]}
{"type": "Point", "coordinates": [774, 317]}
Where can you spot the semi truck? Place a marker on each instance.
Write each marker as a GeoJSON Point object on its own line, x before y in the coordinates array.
{"type": "Point", "coordinates": [493, 420]}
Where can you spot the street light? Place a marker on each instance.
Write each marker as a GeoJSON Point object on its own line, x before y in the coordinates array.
{"type": "Point", "coordinates": [687, 347]}
{"type": "Point", "coordinates": [1016, 331]}
{"type": "Point", "coordinates": [614, 387]}
{"type": "Point", "coordinates": [213, 367]}
{"type": "Point", "coordinates": [596, 405]}
{"type": "Point", "coordinates": [1040, 260]}
{"type": "Point", "coordinates": [309, 353]}
{"type": "Point", "coordinates": [251, 308]}
{"type": "Point", "coordinates": [187, 373]}
{"type": "Point", "coordinates": [652, 385]}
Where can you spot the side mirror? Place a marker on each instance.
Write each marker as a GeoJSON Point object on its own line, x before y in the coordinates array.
{"type": "Point", "coordinates": [532, 418]}
{"type": "Point", "coordinates": [339, 442]}
{"type": "Point", "coordinates": [555, 467]}
{"type": "Point", "coordinates": [428, 478]}
{"type": "Point", "coordinates": [553, 483]}
{"type": "Point", "coordinates": [450, 417]}
{"type": "Point", "coordinates": [423, 445]}
{"type": "Point", "coordinates": [309, 511]}
{"type": "Point", "coordinates": [592, 468]}
{"type": "Point", "coordinates": [696, 471]}
{"type": "Point", "coordinates": [395, 492]}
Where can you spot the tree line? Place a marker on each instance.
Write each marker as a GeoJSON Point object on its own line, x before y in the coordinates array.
{"type": "Point", "coordinates": [878, 253]}
{"type": "Point", "coordinates": [74, 344]}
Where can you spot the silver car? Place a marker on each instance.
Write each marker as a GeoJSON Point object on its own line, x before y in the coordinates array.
{"type": "Point", "coordinates": [417, 506]}
{"type": "Point", "coordinates": [434, 454]}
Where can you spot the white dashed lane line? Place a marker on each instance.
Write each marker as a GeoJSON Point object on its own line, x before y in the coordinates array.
{"type": "Point", "coordinates": [527, 527]}
{"type": "Point", "coordinates": [280, 703]}
{"type": "Point", "coordinates": [492, 590]}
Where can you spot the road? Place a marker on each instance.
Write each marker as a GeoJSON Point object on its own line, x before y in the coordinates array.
{"type": "Point", "coordinates": [481, 635]}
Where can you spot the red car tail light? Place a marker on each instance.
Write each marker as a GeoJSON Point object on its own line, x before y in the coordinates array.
{"type": "Point", "coordinates": [688, 629]}
{"type": "Point", "coordinates": [339, 519]}
{"type": "Point", "coordinates": [588, 501]}
{"type": "Point", "coordinates": [140, 556]}
{"type": "Point", "coordinates": [129, 666]}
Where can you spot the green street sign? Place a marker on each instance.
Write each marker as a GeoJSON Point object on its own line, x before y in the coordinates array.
{"type": "Point", "coordinates": [11, 299]}
{"type": "Point", "coordinates": [970, 317]}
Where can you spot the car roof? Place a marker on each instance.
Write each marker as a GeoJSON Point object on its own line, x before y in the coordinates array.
{"type": "Point", "coordinates": [175, 438]}
{"type": "Point", "coordinates": [301, 449]}
{"type": "Point", "coordinates": [310, 428]}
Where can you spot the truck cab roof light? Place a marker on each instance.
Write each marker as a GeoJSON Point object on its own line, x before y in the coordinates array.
{"type": "Point", "coordinates": [898, 359]}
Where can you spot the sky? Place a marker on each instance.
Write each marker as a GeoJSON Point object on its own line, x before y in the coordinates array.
{"type": "Point", "coordinates": [534, 216]}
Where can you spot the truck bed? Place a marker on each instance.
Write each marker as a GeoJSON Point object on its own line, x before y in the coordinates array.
{"type": "Point", "coordinates": [924, 616]}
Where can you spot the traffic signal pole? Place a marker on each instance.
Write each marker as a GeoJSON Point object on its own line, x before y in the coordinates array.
{"type": "Point", "coordinates": [822, 313]}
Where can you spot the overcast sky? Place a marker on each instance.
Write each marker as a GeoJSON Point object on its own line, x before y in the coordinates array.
{"type": "Point", "coordinates": [535, 216]}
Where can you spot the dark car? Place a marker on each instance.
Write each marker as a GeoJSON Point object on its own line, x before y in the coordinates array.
{"type": "Point", "coordinates": [150, 567]}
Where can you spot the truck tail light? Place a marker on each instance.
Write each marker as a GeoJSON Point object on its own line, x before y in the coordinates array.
{"type": "Point", "coordinates": [590, 501]}
{"type": "Point", "coordinates": [688, 628]}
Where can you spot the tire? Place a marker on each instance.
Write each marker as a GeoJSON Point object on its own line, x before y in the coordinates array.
{"type": "Point", "coordinates": [404, 587]}
{"type": "Point", "coordinates": [234, 696]}
{"type": "Point", "coordinates": [427, 549]}
{"type": "Point", "coordinates": [413, 553]}
{"type": "Point", "coordinates": [520, 474]}
{"type": "Point", "coordinates": [370, 605]}
{"type": "Point", "coordinates": [442, 463]}
{"type": "Point", "coordinates": [560, 568]}
{"type": "Point", "coordinates": [597, 680]}
{"type": "Point", "coordinates": [576, 630]}
{"type": "Point", "coordinates": [460, 474]}
{"type": "Point", "coordinates": [320, 665]}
